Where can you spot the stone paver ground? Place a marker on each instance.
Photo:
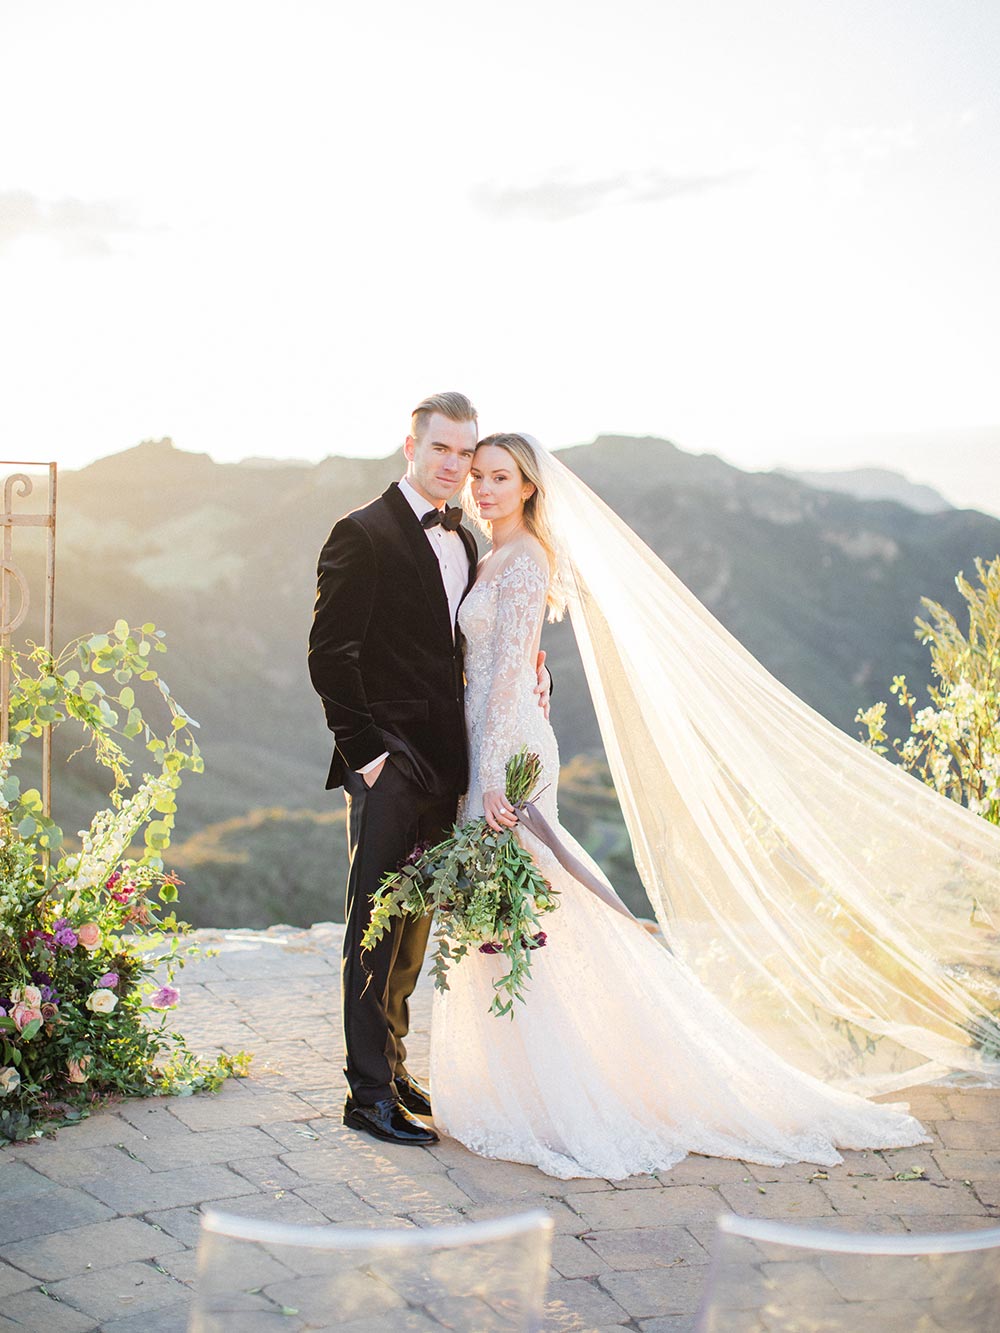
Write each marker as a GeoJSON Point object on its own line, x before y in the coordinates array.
{"type": "Point", "coordinates": [98, 1225]}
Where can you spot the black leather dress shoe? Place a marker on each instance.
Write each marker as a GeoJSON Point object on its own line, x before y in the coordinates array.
{"type": "Point", "coordinates": [413, 1096]}
{"type": "Point", "coordinates": [387, 1120]}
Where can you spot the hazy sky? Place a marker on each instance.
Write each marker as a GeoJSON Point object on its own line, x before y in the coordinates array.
{"type": "Point", "coordinates": [269, 227]}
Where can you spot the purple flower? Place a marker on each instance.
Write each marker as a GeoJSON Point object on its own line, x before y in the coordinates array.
{"type": "Point", "coordinates": [109, 981]}
{"type": "Point", "coordinates": [43, 980]}
{"type": "Point", "coordinates": [416, 854]}
{"type": "Point", "coordinates": [165, 998]}
{"type": "Point", "coordinates": [3, 1011]}
{"type": "Point", "coordinates": [66, 937]}
{"type": "Point", "coordinates": [491, 946]}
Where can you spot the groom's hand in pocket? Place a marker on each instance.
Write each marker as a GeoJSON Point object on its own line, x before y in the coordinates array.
{"type": "Point", "coordinates": [373, 774]}
{"type": "Point", "coordinates": [544, 683]}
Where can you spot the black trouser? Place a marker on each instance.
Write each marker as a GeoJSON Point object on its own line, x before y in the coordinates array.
{"type": "Point", "coordinates": [384, 823]}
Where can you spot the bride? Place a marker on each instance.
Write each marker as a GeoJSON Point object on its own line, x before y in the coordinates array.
{"type": "Point", "coordinates": [802, 922]}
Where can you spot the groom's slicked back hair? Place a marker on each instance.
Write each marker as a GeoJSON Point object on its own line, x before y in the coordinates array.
{"type": "Point", "coordinates": [454, 406]}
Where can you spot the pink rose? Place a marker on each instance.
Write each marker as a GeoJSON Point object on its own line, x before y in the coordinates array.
{"type": "Point", "coordinates": [77, 1069]}
{"type": "Point", "coordinates": [109, 980]}
{"type": "Point", "coordinates": [165, 998]}
{"type": "Point", "coordinates": [23, 1014]}
{"type": "Point", "coordinates": [89, 935]}
{"type": "Point", "coordinates": [49, 1011]}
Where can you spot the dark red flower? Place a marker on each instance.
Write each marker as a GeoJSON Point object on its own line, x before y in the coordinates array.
{"type": "Point", "coordinates": [126, 891]}
{"type": "Point", "coordinates": [34, 937]}
{"type": "Point", "coordinates": [491, 946]}
{"type": "Point", "coordinates": [416, 854]}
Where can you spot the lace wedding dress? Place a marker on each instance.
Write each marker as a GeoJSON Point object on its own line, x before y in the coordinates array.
{"type": "Point", "coordinates": [619, 1062]}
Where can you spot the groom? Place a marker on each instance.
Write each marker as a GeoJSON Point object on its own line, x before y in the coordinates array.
{"type": "Point", "coordinates": [386, 660]}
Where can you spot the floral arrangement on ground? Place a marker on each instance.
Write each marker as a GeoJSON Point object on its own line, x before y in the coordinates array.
{"type": "Point", "coordinates": [90, 943]}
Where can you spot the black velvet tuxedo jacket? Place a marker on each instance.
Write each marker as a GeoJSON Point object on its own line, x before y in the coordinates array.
{"type": "Point", "coordinates": [382, 656]}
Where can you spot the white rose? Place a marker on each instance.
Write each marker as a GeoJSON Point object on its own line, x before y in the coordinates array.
{"type": "Point", "coordinates": [101, 1001]}
{"type": "Point", "coordinates": [10, 1080]}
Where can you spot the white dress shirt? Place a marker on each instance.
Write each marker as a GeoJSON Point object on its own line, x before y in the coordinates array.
{"type": "Point", "coordinates": [452, 559]}
{"type": "Point", "coordinates": [447, 546]}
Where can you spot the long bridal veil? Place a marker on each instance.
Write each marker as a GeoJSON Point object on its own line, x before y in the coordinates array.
{"type": "Point", "coordinates": [844, 911]}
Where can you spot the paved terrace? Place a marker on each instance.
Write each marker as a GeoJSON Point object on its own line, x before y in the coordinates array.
{"type": "Point", "coordinates": [98, 1226]}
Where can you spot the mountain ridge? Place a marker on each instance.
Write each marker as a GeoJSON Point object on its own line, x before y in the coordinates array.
{"type": "Point", "coordinates": [875, 483]}
{"type": "Point", "coordinates": [820, 586]}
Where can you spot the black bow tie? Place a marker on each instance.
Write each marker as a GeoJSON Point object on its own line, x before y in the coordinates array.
{"type": "Point", "coordinates": [450, 517]}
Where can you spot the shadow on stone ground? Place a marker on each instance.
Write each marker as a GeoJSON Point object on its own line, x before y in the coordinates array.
{"type": "Point", "coordinates": [98, 1226]}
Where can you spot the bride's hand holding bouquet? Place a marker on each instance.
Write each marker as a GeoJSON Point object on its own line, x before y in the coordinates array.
{"type": "Point", "coordinates": [485, 888]}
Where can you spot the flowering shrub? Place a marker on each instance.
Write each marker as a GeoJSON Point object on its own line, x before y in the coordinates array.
{"type": "Point", "coordinates": [954, 742]}
{"type": "Point", "coordinates": [83, 934]}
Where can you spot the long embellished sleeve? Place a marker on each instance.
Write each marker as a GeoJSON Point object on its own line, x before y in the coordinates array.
{"type": "Point", "coordinates": [519, 591]}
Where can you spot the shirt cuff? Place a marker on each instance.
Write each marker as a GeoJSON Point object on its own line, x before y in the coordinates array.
{"type": "Point", "coordinates": [374, 763]}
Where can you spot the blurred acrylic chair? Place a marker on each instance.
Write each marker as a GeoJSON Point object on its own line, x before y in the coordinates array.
{"type": "Point", "coordinates": [775, 1277]}
{"type": "Point", "coordinates": [480, 1277]}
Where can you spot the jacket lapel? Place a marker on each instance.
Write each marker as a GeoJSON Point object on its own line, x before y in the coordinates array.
{"type": "Point", "coordinates": [424, 559]}
{"type": "Point", "coordinates": [472, 551]}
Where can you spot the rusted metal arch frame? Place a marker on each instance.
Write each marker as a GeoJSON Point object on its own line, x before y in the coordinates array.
{"type": "Point", "coordinates": [12, 574]}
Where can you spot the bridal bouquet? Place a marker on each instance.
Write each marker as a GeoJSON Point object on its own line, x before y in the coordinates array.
{"type": "Point", "coordinates": [487, 892]}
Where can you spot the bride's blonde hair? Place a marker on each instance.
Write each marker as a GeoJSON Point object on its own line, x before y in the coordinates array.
{"type": "Point", "coordinates": [536, 520]}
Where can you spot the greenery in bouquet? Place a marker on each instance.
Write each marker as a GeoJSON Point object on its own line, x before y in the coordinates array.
{"type": "Point", "coordinates": [89, 939]}
{"type": "Point", "coordinates": [486, 890]}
